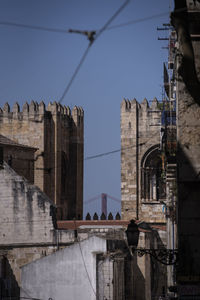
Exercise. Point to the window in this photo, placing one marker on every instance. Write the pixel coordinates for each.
(153, 186)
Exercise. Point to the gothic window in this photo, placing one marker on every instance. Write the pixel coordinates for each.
(152, 182)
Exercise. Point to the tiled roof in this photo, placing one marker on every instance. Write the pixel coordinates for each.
(8, 142)
(76, 224)
(71, 225)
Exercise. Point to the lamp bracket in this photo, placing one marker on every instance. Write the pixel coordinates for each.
(164, 256)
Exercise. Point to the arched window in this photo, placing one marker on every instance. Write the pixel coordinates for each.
(153, 187)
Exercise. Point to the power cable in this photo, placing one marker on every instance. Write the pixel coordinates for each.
(75, 73)
(105, 27)
(145, 19)
(90, 157)
(60, 30)
(29, 298)
(103, 154)
(110, 152)
(34, 27)
(112, 18)
(85, 267)
(94, 38)
(17, 298)
(138, 20)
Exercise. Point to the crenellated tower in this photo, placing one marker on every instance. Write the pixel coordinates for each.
(142, 187)
(57, 134)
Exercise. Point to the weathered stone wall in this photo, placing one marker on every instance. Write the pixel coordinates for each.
(58, 135)
(71, 272)
(140, 131)
(25, 212)
(188, 135)
(27, 223)
(99, 268)
(21, 159)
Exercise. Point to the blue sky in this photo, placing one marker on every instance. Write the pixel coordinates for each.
(124, 62)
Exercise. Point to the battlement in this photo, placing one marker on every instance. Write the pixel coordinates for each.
(140, 131)
(38, 111)
(57, 133)
(128, 105)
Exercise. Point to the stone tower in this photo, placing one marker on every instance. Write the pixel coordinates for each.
(142, 184)
(57, 134)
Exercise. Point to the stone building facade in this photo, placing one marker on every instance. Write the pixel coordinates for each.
(142, 185)
(19, 157)
(101, 267)
(28, 228)
(187, 67)
(56, 133)
(178, 201)
(29, 232)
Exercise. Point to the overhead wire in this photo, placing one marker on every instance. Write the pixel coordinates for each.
(145, 19)
(61, 30)
(17, 298)
(110, 152)
(138, 20)
(112, 18)
(43, 28)
(90, 157)
(84, 263)
(75, 73)
(89, 46)
(99, 32)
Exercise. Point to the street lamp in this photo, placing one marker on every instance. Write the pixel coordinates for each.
(162, 255)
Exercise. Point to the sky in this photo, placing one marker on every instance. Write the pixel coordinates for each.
(125, 61)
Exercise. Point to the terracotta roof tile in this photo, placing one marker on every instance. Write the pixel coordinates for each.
(71, 225)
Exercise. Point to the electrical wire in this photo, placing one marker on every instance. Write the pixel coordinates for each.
(99, 32)
(90, 157)
(110, 152)
(17, 298)
(138, 20)
(103, 154)
(34, 27)
(88, 48)
(88, 276)
(60, 30)
(75, 73)
(112, 18)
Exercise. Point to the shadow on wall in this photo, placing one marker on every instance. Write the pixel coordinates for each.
(8, 285)
(188, 190)
(187, 70)
(138, 285)
(158, 271)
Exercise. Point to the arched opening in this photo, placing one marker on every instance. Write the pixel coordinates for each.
(153, 187)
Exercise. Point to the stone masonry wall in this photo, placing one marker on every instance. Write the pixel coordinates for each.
(21, 159)
(27, 224)
(140, 130)
(25, 212)
(188, 155)
(58, 135)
